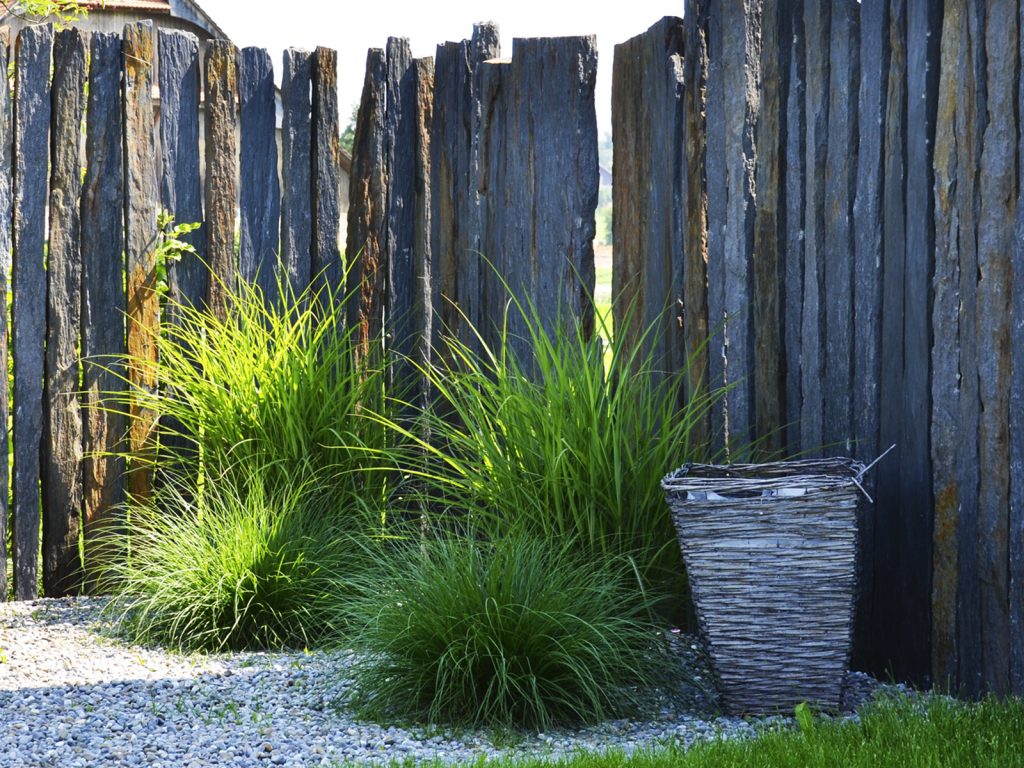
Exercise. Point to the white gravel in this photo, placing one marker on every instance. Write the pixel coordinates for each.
(72, 695)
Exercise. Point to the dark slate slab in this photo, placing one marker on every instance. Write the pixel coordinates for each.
(886, 547)
(766, 258)
(946, 345)
(221, 91)
(840, 188)
(647, 131)
(326, 148)
(717, 199)
(6, 215)
(994, 339)
(421, 310)
(62, 417)
(970, 130)
(1017, 430)
(740, 78)
(367, 206)
(868, 217)
(28, 311)
(142, 322)
(181, 191)
(260, 189)
(817, 31)
(454, 217)
(793, 266)
(541, 214)
(694, 205)
(296, 169)
(924, 25)
(103, 297)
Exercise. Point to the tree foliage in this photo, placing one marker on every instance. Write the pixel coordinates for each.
(62, 11)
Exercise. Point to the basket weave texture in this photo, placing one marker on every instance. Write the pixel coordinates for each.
(771, 555)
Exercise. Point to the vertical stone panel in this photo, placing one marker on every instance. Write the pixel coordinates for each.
(296, 168)
(221, 91)
(260, 189)
(695, 215)
(840, 187)
(28, 311)
(181, 192)
(367, 205)
(1017, 418)
(103, 297)
(62, 417)
(140, 210)
(817, 29)
(422, 309)
(994, 337)
(326, 148)
(766, 256)
(6, 215)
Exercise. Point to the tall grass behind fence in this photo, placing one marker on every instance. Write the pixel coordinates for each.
(848, 179)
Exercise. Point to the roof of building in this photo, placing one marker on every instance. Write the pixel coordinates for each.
(148, 6)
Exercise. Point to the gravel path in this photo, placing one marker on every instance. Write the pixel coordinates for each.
(72, 695)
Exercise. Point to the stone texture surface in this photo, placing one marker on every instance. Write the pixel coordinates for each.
(259, 186)
(326, 158)
(221, 91)
(296, 169)
(62, 417)
(28, 278)
(6, 216)
(103, 297)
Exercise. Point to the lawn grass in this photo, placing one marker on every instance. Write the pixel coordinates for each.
(892, 733)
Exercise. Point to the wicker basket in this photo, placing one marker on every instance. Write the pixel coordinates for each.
(771, 554)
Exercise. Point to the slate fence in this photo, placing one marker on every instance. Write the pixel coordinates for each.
(832, 189)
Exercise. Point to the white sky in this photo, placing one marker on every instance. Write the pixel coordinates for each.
(351, 28)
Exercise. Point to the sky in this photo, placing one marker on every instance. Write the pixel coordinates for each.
(352, 28)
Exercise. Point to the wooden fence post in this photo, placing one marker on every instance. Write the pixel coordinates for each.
(260, 190)
(140, 210)
(62, 417)
(221, 90)
(103, 298)
(28, 312)
(296, 169)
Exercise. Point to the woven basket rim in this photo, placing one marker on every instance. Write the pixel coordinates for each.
(812, 474)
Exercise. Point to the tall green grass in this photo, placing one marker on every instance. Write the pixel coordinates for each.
(514, 631)
(564, 443)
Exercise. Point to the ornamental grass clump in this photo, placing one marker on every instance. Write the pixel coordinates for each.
(519, 631)
(569, 441)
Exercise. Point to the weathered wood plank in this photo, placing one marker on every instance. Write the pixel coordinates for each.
(766, 256)
(221, 90)
(647, 130)
(1017, 421)
(181, 191)
(945, 388)
(367, 206)
(887, 549)
(542, 215)
(103, 297)
(260, 189)
(296, 168)
(994, 327)
(924, 24)
(6, 215)
(868, 216)
(741, 31)
(28, 311)
(62, 418)
(694, 207)
(326, 148)
(717, 198)
(455, 230)
(838, 264)
(793, 268)
(140, 210)
(817, 29)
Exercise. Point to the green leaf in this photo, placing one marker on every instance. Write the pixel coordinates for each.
(804, 718)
